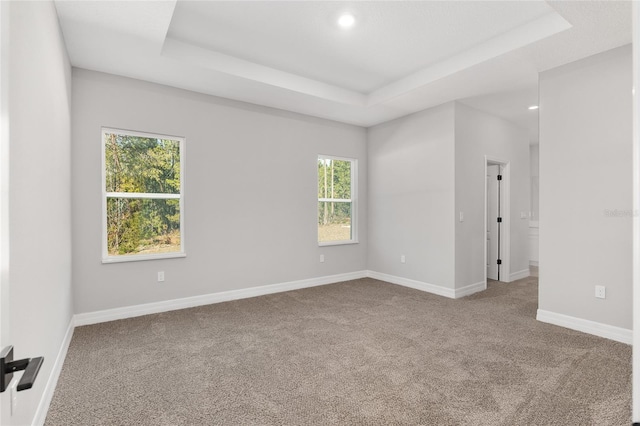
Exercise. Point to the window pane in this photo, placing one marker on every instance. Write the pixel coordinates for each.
(142, 164)
(334, 178)
(142, 226)
(334, 221)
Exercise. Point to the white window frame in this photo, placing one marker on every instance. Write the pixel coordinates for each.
(353, 200)
(106, 258)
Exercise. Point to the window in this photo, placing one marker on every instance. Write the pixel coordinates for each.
(143, 206)
(336, 200)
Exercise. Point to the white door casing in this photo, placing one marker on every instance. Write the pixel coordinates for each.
(505, 214)
(492, 223)
(5, 305)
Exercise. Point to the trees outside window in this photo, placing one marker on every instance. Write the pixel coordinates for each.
(336, 200)
(142, 195)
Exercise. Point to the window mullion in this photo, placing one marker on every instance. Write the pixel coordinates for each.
(156, 196)
(335, 200)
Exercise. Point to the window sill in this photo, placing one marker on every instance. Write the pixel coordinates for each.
(139, 258)
(336, 243)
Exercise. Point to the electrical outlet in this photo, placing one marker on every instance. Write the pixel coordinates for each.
(160, 276)
(601, 292)
(403, 259)
(322, 258)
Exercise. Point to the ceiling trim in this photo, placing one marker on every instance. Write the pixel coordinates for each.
(133, 39)
(543, 27)
(538, 29)
(237, 67)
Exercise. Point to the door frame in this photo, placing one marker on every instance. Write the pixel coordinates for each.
(5, 296)
(5, 329)
(505, 213)
(636, 218)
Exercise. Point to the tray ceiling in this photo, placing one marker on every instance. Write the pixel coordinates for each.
(398, 58)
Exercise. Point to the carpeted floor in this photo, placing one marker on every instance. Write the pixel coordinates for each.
(358, 352)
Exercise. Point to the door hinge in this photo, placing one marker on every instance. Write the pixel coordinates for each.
(499, 220)
(499, 177)
(499, 261)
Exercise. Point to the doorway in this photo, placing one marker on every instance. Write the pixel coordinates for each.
(494, 175)
(496, 220)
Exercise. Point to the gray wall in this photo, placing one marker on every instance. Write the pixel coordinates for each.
(534, 154)
(250, 193)
(423, 170)
(39, 194)
(585, 172)
(478, 134)
(534, 230)
(411, 202)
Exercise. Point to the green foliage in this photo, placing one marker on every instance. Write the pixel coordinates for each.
(137, 164)
(334, 178)
(141, 165)
(334, 182)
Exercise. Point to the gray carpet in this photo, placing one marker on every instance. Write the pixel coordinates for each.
(358, 352)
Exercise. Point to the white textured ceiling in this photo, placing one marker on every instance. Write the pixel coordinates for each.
(390, 41)
(399, 58)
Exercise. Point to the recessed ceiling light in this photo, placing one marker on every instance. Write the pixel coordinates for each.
(347, 20)
(533, 107)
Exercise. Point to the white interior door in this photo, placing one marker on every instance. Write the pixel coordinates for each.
(493, 238)
(5, 314)
(4, 178)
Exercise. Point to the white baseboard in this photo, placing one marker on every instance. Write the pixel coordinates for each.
(208, 299)
(519, 275)
(533, 263)
(470, 289)
(618, 334)
(52, 380)
(429, 288)
(418, 285)
(169, 305)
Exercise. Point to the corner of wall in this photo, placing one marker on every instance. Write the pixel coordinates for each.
(586, 204)
(479, 134)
